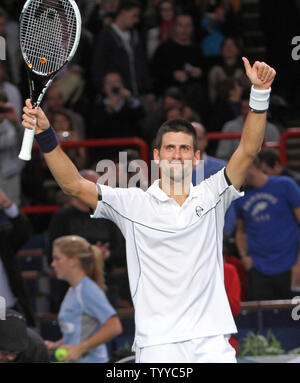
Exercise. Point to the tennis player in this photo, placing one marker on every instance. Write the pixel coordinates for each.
(173, 232)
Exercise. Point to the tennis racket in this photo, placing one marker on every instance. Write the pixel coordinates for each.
(49, 36)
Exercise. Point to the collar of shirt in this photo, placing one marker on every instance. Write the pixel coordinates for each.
(158, 193)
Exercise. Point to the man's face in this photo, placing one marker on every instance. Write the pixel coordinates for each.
(176, 156)
(131, 17)
(111, 81)
(183, 28)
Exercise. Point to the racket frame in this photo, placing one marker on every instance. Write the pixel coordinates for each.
(28, 138)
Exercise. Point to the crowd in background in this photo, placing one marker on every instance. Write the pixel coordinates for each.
(138, 64)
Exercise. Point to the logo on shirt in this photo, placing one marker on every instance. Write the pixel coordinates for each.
(259, 207)
(199, 210)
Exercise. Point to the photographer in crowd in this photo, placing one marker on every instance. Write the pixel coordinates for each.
(117, 110)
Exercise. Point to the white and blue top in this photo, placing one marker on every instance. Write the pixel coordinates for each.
(83, 312)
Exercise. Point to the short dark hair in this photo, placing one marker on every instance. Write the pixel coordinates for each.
(127, 5)
(268, 156)
(177, 125)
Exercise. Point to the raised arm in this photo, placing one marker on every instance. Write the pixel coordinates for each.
(60, 165)
(261, 76)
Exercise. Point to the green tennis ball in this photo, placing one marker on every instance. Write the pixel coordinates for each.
(60, 353)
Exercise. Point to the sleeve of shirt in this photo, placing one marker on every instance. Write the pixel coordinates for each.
(96, 305)
(115, 204)
(293, 193)
(222, 189)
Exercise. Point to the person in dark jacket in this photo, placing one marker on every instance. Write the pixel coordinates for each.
(118, 48)
(117, 110)
(18, 343)
(15, 230)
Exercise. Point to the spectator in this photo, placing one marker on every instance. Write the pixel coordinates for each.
(270, 164)
(54, 100)
(172, 99)
(66, 131)
(45, 188)
(163, 30)
(231, 66)
(100, 14)
(11, 135)
(227, 147)
(15, 230)
(12, 92)
(210, 164)
(118, 48)
(72, 80)
(118, 113)
(85, 308)
(75, 219)
(267, 235)
(177, 62)
(227, 105)
(218, 21)
(18, 343)
(131, 172)
(150, 13)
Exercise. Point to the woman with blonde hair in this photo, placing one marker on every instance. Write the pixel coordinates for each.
(86, 318)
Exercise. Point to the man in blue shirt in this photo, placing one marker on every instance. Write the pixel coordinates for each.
(267, 234)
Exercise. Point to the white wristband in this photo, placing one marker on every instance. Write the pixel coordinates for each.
(259, 99)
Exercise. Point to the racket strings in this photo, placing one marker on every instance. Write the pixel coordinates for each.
(47, 34)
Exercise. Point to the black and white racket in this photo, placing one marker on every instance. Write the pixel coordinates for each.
(49, 36)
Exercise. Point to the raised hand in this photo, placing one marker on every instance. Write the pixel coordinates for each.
(29, 116)
(260, 74)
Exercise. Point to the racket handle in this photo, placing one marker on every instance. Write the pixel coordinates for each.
(27, 143)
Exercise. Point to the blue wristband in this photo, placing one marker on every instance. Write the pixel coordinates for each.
(47, 140)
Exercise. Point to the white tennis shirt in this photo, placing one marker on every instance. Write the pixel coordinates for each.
(174, 258)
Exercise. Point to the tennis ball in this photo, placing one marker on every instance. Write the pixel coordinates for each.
(60, 353)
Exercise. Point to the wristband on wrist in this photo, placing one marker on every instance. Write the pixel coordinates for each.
(47, 140)
(259, 100)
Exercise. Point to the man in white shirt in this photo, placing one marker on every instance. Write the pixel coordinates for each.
(173, 232)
